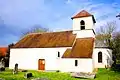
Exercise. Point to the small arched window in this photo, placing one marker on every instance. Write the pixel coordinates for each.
(82, 25)
(100, 57)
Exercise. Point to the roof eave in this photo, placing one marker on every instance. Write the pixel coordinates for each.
(85, 16)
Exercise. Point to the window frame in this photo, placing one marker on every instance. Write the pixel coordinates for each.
(99, 57)
(58, 54)
(82, 25)
(76, 62)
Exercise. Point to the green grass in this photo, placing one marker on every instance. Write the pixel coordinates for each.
(102, 74)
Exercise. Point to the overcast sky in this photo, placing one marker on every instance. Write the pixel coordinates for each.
(17, 16)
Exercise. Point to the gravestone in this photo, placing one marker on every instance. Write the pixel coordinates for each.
(15, 70)
(83, 75)
(2, 65)
(3, 62)
(28, 75)
(2, 69)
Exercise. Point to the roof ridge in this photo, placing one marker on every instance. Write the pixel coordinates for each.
(3, 47)
(48, 32)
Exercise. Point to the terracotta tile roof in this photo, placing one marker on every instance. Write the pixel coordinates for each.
(46, 40)
(83, 48)
(83, 13)
(67, 53)
(3, 51)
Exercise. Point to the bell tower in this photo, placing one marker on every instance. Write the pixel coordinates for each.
(83, 24)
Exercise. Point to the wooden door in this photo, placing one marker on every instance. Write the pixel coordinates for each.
(41, 64)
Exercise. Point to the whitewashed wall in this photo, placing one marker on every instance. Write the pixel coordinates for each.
(84, 65)
(106, 55)
(27, 58)
(84, 33)
(88, 23)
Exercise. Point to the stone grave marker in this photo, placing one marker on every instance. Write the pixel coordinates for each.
(83, 75)
(28, 75)
(2, 65)
(15, 70)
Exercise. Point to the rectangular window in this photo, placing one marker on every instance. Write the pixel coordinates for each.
(76, 62)
(58, 54)
(100, 57)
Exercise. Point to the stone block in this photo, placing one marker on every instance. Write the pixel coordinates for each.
(28, 75)
(83, 75)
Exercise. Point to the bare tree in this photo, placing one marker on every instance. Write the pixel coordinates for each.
(35, 29)
(105, 33)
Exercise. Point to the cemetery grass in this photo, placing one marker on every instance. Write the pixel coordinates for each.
(103, 74)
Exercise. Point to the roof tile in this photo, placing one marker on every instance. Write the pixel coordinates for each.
(3, 51)
(83, 48)
(83, 13)
(47, 40)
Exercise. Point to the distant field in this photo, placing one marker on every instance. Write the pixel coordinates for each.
(102, 74)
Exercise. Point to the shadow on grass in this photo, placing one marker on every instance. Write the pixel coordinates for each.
(116, 68)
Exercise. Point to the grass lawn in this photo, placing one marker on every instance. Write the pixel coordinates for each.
(102, 74)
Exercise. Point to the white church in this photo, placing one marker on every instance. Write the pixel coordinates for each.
(66, 51)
